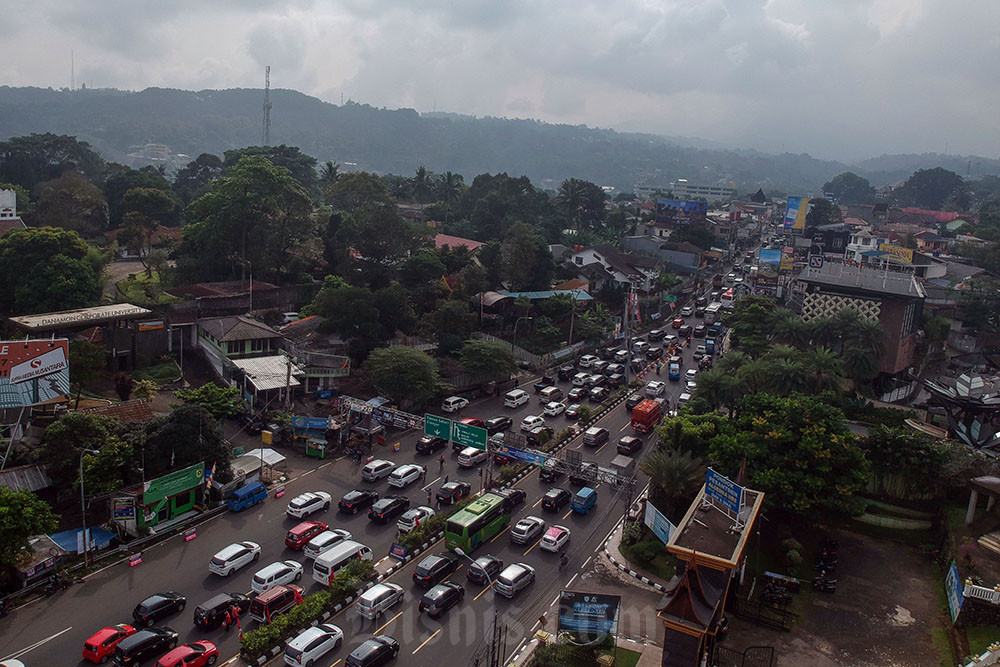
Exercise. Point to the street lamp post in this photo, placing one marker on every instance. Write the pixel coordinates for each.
(83, 506)
(514, 340)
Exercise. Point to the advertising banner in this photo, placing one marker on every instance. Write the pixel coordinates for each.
(680, 211)
(897, 251)
(659, 524)
(724, 491)
(185, 479)
(123, 508)
(787, 260)
(33, 371)
(522, 455)
(588, 613)
(795, 213)
(953, 589)
(767, 269)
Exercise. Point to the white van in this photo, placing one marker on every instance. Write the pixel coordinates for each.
(470, 457)
(515, 398)
(550, 394)
(376, 470)
(377, 599)
(330, 562)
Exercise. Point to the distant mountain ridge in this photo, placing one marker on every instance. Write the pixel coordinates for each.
(400, 140)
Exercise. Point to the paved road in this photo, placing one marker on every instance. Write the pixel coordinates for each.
(52, 631)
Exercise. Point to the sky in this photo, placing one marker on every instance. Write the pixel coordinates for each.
(838, 79)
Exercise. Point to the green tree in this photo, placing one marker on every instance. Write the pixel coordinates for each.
(193, 179)
(302, 167)
(70, 202)
(690, 432)
(487, 359)
(349, 311)
(451, 317)
(582, 203)
(698, 235)
(822, 212)
(47, 269)
(23, 515)
(188, 435)
(718, 388)
(823, 368)
(928, 188)
(28, 161)
(110, 469)
(849, 188)
(959, 199)
(904, 463)
(119, 179)
(329, 172)
(70, 435)
(750, 322)
(421, 267)
(403, 374)
(146, 210)
(448, 189)
(257, 213)
(422, 185)
(220, 402)
(86, 361)
(798, 450)
(525, 260)
(675, 475)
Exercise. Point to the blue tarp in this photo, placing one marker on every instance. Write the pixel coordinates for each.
(99, 538)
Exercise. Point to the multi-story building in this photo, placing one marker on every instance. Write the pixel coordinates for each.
(683, 189)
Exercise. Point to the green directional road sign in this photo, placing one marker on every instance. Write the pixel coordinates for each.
(437, 427)
(670, 298)
(470, 436)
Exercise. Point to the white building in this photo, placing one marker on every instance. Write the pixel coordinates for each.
(682, 189)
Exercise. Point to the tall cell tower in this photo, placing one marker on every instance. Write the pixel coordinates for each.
(266, 135)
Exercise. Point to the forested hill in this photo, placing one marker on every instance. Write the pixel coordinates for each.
(397, 141)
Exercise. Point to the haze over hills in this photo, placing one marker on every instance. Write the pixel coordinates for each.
(400, 140)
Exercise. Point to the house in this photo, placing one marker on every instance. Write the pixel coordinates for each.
(572, 284)
(833, 238)
(604, 264)
(455, 242)
(682, 258)
(322, 355)
(930, 242)
(9, 218)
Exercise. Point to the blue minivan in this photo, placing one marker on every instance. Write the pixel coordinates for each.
(246, 496)
(584, 500)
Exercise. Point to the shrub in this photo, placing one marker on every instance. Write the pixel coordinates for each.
(584, 414)
(645, 552)
(794, 558)
(427, 529)
(632, 532)
(508, 472)
(145, 390)
(790, 544)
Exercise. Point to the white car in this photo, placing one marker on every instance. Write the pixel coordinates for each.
(312, 644)
(580, 379)
(413, 517)
(526, 530)
(554, 409)
(690, 385)
(233, 558)
(306, 503)
(470, 457)
(405, 475)
(687, 311)
(325, 541)
(276, 574)
(531, 422)
(655, 388)
(690, 374)
(587, 360)
(514, 577)
(454, 403)
(555, 539)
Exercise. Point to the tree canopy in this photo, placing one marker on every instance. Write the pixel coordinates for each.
(30, 160)
(23, 515)
(70, 202)
(849, 188)
(928, 188)
(218, 401)
(487, 359)
(403, 374)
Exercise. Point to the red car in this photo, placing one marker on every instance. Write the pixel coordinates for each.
(677, 323)
(299, 535)
(474, 421)
(101, 645)
(195, 654)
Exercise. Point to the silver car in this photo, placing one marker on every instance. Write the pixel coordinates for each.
(514, 578)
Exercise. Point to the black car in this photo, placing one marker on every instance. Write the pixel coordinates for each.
(577, 394)
(513, 497)
(633, 400)
(607, 352)
(452, 492)
(616, 380)
(657, 334)
(701, 302)
(429, 444)
(388, 508)
(373, 652)
(654, 352)
(629, 445)
(144, 644)
(543, 382)
(498, 424)
(684, 330)
(485, 569)
(699, 331)
(637, 364)
(158, 606)
(356, 500)
(566, 372)
(212, 613)
(441, 598)
(714, 330)
(534, 436)
(548, 472)
(432, 569)
(572, 411)
(554, 499)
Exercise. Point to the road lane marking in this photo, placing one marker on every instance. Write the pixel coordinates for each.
(436, 633)
(533, 545)
(600, 448)
(433, 482)
(586, 561)
(324, 465)
(32, 647)
(554, 600)
(339, 660)
(627, 424)
(567, 514)
(568, 583)
(499, 534)
(453, 573)
(481, 593)
(308, 472)
(536, 503)
(384, 625)
(231, 660)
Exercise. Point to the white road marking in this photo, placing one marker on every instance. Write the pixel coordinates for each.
(586, 561)
(570, 582)
(307, 472)
(32, 647)
(554, 600)
(328, 463)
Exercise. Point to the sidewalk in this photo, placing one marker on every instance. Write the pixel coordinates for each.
(634, 577)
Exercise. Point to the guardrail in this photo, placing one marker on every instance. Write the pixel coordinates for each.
(991, 595)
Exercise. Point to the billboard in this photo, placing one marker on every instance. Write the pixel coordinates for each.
(681, 211)
(954, 591)
(659, 524)
(898, 252)
(795, 213)
(769, 261)
(787, 260)
(33, 372)
(588, 613)
(724, 491)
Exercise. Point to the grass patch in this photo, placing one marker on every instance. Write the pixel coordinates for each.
(142, 288)
(662, 565)
(942, 646)
(624, 657)
(161, 373)
(980, 637)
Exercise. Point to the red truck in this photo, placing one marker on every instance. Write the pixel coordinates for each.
(646, 415)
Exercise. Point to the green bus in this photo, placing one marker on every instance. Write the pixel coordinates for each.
(478, 522)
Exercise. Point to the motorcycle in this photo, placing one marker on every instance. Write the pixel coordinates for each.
(55, 584)
(825, 581)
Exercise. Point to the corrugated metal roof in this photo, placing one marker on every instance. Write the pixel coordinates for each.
(237, 328)
(29, 477)
(266, 373)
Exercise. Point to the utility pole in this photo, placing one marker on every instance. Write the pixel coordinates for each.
(288, 382)
(266, 133)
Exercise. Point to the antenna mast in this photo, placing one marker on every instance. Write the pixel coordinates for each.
(266, 138)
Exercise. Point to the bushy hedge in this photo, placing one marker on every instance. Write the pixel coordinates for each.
(427, 529)
(256, 643)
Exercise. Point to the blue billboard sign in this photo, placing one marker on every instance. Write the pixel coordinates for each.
(522, 455)
(588, 613)
(310, 423)
(680, 210)
(659, 524)
(954, 591)
(724, 491)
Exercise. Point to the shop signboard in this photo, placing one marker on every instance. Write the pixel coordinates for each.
(588, 613)
(37, 372)
(185, 479)
(724, 491)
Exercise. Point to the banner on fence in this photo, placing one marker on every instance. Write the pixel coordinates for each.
(135, 559)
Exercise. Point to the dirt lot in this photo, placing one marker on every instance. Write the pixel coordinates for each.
(883, 614)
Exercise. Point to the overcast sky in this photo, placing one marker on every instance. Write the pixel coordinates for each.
(840, 79)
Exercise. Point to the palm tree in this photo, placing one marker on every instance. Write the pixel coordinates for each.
(421, 185)
(824, 369)
(676, 474)
(784, 376)
(718, 388)
(790, 329)
(329, 173)
(449, 189)
(868, 335)
(861, 365)
(732, 362)
(785, 353)
(823, 331)
(755, 376)
(846, 321)
(571, 198)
